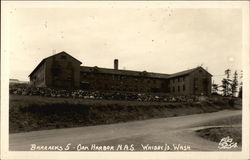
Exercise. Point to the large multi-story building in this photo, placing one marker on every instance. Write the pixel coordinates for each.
(64, 71)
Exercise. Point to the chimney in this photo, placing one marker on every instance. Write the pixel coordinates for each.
(116, 64)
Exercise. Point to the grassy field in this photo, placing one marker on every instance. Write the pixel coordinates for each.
(30, 113)
(217, 133)
(234, 120)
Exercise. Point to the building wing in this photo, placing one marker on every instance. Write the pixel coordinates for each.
(41, 63)
(186, 72)
(123, 72)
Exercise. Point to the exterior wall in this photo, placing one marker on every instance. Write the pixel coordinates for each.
(196, 83)
(188, 85)
(179, 85)
(62, 71)
(100, 81)
(200, 82)
(38, 77)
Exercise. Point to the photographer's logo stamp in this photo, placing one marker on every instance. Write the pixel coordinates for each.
(227, 143)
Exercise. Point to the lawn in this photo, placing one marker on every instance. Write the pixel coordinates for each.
(230, 126)
(31, 113)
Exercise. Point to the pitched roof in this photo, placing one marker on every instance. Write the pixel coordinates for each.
(137, 73)
(123, 72)
(50, 57)
(182, 73)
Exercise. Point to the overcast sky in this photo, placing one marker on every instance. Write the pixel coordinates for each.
(164, 40)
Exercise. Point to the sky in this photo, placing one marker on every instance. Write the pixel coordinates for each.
(161, 40)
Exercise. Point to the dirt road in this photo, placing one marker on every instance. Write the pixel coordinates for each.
(163, 134)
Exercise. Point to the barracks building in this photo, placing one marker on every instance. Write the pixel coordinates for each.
(64, 71)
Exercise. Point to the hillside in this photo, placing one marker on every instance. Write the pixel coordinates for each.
(30, 113)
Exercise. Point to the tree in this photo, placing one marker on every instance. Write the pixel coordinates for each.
(240, 92)
(241, 84)
(215, 88)
(227, 73)
(234, 84)
(225, 87)
(226, 84)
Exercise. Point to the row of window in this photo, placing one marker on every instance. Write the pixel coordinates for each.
(95, 77)
(179, 89)
(178, 79)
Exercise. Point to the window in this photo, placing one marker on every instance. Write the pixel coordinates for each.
(183, 87)
(69, 77)
(56, 78)
(178, 79)
(63, 57)
(183, 79)
(178, 88)
(173, 89)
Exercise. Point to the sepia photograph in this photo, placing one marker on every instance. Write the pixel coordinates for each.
(115, 78)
